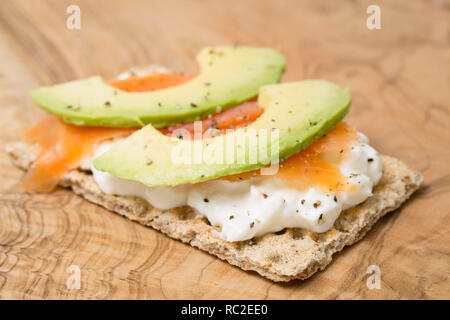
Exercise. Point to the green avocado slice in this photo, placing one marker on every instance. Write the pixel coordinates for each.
(295, 115)
(228, 76)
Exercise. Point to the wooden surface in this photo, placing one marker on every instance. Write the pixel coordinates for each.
(399, 77)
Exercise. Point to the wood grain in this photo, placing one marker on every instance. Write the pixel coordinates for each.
(398, 76)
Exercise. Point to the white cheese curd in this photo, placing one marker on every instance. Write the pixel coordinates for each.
(259, 205)
(159, 197)
(363, 169)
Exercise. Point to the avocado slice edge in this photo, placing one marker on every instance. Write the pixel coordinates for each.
(228, 76)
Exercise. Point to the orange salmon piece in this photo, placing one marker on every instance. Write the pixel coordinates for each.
(63, 147)
(156, 81)
(231, 119)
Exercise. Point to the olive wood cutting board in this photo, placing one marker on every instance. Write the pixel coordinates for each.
(399, 78)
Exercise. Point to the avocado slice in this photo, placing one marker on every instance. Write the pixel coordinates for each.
(228, 76)
(300, 113)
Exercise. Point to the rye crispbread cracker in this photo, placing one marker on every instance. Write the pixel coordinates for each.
(283, 256)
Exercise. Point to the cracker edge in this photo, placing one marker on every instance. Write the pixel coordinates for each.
(397, 185)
